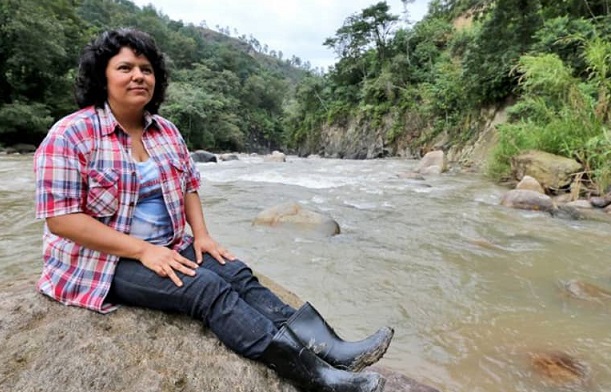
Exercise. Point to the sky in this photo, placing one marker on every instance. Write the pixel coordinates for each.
(295, 27)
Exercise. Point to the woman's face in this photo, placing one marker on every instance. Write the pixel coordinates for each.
(130, 80)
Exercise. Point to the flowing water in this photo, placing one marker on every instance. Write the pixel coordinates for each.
(474, 290)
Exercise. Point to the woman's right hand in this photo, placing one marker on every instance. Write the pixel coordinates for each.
(91, 233)
(165, 262)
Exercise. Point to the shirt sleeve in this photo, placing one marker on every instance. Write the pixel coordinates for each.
(59, 184)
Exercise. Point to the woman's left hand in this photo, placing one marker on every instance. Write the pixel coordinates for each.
(205, 244)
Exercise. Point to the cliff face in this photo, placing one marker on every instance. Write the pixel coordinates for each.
(46, 346)
(360, 139)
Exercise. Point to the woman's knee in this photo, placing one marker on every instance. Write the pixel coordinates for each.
(201, 291)
(230, 271)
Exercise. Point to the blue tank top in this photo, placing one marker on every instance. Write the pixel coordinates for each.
(151, 221)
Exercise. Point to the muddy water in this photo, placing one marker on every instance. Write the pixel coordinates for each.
(473, 290)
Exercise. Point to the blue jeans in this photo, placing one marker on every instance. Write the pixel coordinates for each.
(227, 298)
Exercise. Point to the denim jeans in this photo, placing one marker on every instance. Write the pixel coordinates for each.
(227, 298)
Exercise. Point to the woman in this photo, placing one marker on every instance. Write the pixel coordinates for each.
(117, 189)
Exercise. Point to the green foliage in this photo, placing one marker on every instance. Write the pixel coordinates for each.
(23, 121)
(561, 114)
(369, 29)
(222, 96)
(506, 33)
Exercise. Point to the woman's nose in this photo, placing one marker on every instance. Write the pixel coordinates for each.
(137, 74)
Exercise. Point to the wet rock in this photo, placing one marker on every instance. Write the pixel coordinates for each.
(484, 244)
(581, 203)
(601, 202)
(202, 156)
(228, 157)
(411, 176)
(569, 211)
(527, 200)
(21, 148)
(585, 291)
(293, 215)
(399, 382)
(275, 156)
(558, 368)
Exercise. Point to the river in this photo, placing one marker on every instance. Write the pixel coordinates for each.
(472, 289)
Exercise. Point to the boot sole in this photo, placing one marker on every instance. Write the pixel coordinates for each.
(372, 357)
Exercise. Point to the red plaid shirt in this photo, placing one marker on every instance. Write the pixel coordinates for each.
(85, 165)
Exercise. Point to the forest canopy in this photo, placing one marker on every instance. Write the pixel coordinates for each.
(547, 60)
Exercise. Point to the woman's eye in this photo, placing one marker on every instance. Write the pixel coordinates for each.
(147, 71)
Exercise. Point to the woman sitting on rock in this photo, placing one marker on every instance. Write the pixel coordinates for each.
(117, 189)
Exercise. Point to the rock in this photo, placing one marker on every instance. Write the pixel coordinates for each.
(22, 148)
(202, 156)
(531, 184)
(528, 200)
(293, 215)
(559, 369)
(434, 162)
(562, 198)
(46, 346)
(434, 169)
(584, 204)
(601, 202)
(398, 382)
(569, 211)
(585, 291)
(551, 171)
(411, 176)
(228, 157)
(275, 156)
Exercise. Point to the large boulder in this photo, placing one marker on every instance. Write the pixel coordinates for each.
(275, 156)
(22, 148)
(434, 162)
(553, 172)
(202, 156)
(528, 200)
(46, 346)
(295, 216)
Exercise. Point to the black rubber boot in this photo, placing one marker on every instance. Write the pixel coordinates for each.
(295, 362)
(317, 335)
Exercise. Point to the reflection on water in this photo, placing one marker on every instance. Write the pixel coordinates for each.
(475, 291)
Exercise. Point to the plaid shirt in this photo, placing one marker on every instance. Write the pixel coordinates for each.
(85, 165)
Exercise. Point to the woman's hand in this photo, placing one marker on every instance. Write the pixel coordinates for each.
(165, 262)
(205, 244)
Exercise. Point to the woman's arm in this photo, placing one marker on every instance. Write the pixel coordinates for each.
(203, 243)
(90, 233)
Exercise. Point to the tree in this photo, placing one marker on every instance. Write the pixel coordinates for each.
(39, 45)
(361, 32)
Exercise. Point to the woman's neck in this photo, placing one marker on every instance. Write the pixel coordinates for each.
(131, 120)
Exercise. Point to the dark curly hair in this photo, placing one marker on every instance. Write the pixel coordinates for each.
(90, 88)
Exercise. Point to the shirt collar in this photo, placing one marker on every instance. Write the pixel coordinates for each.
(109, 123)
